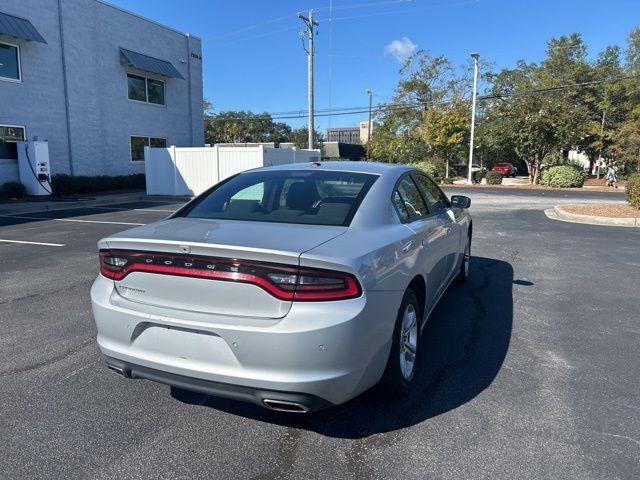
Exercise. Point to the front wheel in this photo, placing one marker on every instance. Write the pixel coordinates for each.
(401, 365)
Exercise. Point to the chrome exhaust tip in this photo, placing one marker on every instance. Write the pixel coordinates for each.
(285, 406)
(119, 370)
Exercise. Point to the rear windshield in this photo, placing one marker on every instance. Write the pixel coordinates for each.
(309, 197)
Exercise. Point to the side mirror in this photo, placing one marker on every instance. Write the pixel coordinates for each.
(460, 201)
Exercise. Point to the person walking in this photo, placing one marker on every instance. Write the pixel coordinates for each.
(612, 178)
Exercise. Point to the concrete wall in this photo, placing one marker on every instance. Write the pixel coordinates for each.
(101, 117)
(38, 101)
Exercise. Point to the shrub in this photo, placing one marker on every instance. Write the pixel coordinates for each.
(447, 181)
(562, 176)
(429, 168)
(3, 195)
(575, 166)
(477, 176)
(72, 185)
(14, 190)
(632, 188)
(494, 178)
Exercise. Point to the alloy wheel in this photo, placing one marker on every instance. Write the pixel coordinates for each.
(408, 342)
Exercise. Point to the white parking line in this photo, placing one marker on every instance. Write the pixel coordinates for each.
(71, 220)
(137, 209)
(34, 243)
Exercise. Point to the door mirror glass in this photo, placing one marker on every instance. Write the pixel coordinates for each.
(460, 201)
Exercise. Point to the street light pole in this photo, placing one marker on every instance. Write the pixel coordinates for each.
(310, 23)
(370, 93)
(475, 57)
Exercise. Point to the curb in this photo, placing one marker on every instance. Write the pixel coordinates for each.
(529, 188)
(559, 214)
(34, 207)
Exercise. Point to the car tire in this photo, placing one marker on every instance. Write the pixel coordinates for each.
(463, 274)
(400, 373)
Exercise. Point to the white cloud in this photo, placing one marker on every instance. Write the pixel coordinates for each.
(401, 49)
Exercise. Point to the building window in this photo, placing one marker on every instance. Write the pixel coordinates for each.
(155, 91)
(9, 135)
(137, 88)
(9, 62)
(143, 89)
(138, 144)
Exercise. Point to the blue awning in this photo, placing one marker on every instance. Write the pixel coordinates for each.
(19, 28)
(148, 64)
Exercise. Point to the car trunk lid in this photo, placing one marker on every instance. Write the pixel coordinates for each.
(213, 266)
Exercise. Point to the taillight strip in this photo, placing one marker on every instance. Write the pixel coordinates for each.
(186, 272)
(349, 288)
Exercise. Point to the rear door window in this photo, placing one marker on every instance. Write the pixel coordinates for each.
(400, 207)
(436, 199)
(408, 196)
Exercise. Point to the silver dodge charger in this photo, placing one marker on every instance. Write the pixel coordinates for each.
(295, 287)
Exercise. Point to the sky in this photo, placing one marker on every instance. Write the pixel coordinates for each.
(253, 57)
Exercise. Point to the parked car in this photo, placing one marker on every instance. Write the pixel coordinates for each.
(463, 169)
(295, 287)
(506, 169)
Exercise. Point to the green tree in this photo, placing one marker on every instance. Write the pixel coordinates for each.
(300, 138)
(425, 81)
(626, 142)
(244, 127)
(446, 129)
(530, 116)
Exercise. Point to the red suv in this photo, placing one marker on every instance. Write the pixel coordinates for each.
(506, 169)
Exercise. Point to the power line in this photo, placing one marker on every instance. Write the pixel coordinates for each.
(411, 10)
(295, 114)
(559, 87)
(226, 37)
(363, 5)
(253, 27)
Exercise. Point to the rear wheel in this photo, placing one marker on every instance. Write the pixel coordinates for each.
(463, 274)
(401, 366)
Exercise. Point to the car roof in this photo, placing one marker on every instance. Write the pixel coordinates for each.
(359, 167)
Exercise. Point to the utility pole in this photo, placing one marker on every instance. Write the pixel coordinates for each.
(310, 23)
(475, 57)
(370, 93)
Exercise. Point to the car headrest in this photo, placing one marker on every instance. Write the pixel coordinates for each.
(302, 195)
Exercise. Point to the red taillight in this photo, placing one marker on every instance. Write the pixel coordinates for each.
(282, 281)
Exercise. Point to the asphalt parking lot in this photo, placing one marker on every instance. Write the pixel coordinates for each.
(531, 370)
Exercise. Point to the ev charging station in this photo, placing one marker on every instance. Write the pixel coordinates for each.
(33, 167)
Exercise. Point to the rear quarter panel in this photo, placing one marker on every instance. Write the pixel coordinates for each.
(375, 256)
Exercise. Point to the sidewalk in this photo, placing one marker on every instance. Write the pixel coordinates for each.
(507, 181)
(14, 208)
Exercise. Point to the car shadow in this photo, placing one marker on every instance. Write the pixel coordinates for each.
(464, 345)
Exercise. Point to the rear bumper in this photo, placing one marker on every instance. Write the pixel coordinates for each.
(284, 401)
(322, 353)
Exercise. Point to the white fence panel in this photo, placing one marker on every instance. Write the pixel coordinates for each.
(238, 159)
(159, 171)
(191, 171)
(304, 156)
(196, 170)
